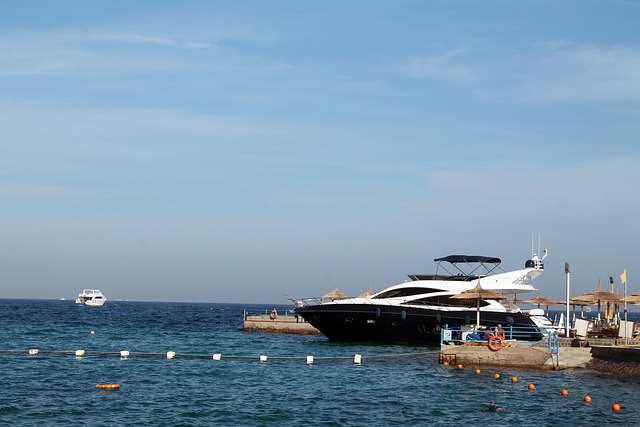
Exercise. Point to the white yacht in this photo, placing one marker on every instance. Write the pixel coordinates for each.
(416, 310)
(91, 297)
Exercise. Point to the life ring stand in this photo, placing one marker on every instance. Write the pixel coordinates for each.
(273, 315)
(492, 343)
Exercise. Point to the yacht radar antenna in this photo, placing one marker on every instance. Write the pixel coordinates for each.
(535, 255)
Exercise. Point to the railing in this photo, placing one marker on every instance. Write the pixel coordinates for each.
(554, 347)
(458, 336)
(303, 302)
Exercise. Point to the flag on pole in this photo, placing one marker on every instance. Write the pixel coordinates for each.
(623, 277)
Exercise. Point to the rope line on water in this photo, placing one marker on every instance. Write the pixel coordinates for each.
(125, 354)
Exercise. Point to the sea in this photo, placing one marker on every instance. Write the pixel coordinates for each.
(262, 379)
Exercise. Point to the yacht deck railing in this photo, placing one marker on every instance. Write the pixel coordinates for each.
(458, 336)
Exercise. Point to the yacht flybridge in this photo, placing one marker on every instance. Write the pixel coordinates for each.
(416, 310)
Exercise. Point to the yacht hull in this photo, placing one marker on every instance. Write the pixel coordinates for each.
(405, 324)
(91, 303)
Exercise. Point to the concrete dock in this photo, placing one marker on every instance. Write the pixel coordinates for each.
(610, 357)
(524, 357)
(281, 324)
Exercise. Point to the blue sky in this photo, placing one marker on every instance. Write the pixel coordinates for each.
(244, 151)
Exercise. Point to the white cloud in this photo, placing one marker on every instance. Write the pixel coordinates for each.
(145, 39)
(70, 53)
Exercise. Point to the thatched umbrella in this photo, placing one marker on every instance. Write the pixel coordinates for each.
(577, 302)
(634, 299)
(333, 295)
(366, 294)
(598, 296)
(580, 303)
(515, 299)
(540, 300)
(478, 293)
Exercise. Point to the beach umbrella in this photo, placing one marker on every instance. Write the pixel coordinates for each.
(333, 295)
(478, 293)
(582, 304)
(540, 300)
(366, 294)
(634, 299)
(599, 296)
(576, 302)
(515, 299)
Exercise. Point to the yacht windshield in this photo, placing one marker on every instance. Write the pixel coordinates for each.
(447, 301)
(405, 292)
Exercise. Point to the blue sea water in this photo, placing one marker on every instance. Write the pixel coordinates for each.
(394, 385)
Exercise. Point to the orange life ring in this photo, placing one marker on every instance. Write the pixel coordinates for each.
(273, 315)
(108, 386)
(492, 344)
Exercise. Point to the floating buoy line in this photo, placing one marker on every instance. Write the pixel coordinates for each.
(126, 354)
(357, 360)
(532, 387)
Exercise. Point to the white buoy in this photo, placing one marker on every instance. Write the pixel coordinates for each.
(92, 333)
(79, 353)
(124, 354)
(171, 354)
(263, 358)
(357, 359)
(33, 351)
(309, 360)
(217, 356)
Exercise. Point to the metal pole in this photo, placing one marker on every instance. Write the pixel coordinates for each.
(567, 271)
(625, 306)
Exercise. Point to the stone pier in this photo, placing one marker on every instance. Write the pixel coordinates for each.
(281, 324)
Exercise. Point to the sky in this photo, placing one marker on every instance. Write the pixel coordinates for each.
(252, 152)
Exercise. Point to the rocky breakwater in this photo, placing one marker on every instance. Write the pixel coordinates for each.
(621, 361)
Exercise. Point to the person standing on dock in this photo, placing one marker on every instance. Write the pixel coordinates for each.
(500, 331)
